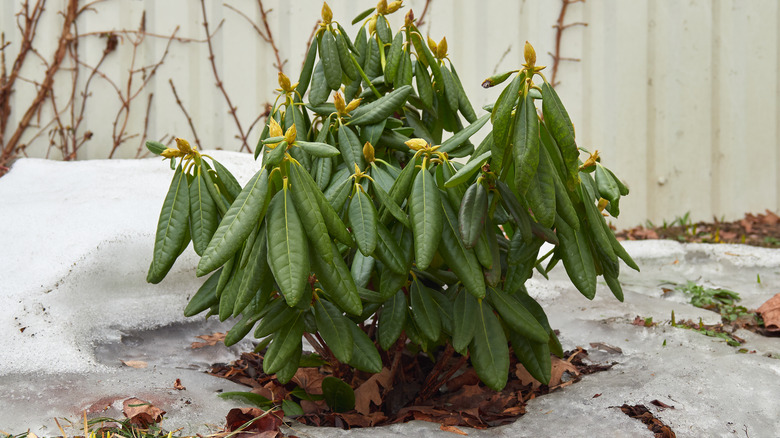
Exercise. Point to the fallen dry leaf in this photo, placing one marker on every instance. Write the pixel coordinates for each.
(309, 379)
(177, 385)
(141, 413)
(452, 429)
(135, 363)
(211, 340)
(264, 424)
(559, 366)
(369, 391)
(770, 312)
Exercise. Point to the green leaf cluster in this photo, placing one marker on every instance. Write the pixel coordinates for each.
(360, 226)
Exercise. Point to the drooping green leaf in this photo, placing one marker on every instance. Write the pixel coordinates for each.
(517, 317)
(279, 315)
(502, 121)
(388, 251)
(203, 214)
(308, 67)
(394, 58)
(362, 217)
(489, 350)
(205, 297)
(390, 206)
(526, 145)
(310, 215)
(535, 357)
(365, 356)
(239, 221)
(463, 101)
(334, 328)
(337, 282)
(329, 56)
(344, 59)
(577, 258)
(226, 180)
(288, 252)
(338, 394)
(286, 344)
(392, 320)
(465, 314)
(472, 214)
(541, 193)
(362, 268)
(424, 310)
(319, 91)
(460, 260)
(351, 149)
(425, 215)
(424, 86)
(333, 222)
(562, 130)
(172, 228)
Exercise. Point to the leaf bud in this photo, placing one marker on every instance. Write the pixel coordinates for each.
(496, 79)
(530, 54)
(441, 49)
(338, 100)
(274, 129)
(184, 146)
(381, 7)
(327, 14)
(368, 152)
(284, 83)
(352, 105)
(172, 153)
(602, 204)
(290, 135)
(394, 6)
(372, 25)
(416, 144)
(432, 45)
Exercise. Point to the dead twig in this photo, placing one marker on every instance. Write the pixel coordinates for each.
(559, 28)
(420, 21)
(186, 114)
(220, 85)
(267, 36)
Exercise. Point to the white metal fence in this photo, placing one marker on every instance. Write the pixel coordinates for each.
(681, 98)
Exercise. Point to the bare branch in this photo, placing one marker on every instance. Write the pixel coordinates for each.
(186, 114)
(559, 28)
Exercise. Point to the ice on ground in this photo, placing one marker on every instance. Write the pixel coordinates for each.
(75, 303)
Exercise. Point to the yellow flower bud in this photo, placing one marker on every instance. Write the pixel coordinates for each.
(183, 146)
(327, 14)
(416, 144)
(394, 6)
(290, 135)
(368, 152)
(432, 45)
(352, 105)
(441, 49)
(603, 204)
(530, 54)
(381, 7)
(274, 129)
(372, 25)
(284, 83)
(340, 105)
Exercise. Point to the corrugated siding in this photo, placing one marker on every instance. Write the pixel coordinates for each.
(679, 97)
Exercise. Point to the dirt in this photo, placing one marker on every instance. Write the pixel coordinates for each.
(762, 229)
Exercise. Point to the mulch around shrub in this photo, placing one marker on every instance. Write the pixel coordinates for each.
(762, 229)
(415, 389)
